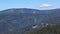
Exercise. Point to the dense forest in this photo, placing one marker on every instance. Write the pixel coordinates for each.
(55, 29)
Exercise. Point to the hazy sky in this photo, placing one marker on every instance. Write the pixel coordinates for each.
(35, 4)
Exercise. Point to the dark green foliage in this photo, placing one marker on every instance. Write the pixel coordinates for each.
(55, 29)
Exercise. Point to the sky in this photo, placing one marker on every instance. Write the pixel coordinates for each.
(34, 4)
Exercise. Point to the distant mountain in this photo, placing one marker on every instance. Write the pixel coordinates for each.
(24, 19)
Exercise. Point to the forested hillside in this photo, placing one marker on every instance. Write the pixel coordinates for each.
(55, 29)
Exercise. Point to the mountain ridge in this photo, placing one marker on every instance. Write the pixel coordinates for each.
(25, 18)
